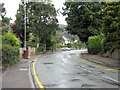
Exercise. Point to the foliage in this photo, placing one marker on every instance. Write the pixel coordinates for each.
(83, 18)
(38, 49)
(53, 47)
(95, 44)
(69, 45)
(41, 20)
(59, 46)
(10, 55)
(4, 30)
(19, 33)
(76, 45)
(32, 41)
(10, 39)
(111, 25)
(5, 20)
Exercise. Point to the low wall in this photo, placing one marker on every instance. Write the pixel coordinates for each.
(115, 54)
(26, 54)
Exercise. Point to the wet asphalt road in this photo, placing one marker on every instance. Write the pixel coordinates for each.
(66, 69)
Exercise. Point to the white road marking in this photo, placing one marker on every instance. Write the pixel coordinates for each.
(23, 69)
(110, 79)
(84, 69)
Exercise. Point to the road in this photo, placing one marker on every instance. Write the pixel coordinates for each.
(66, 69)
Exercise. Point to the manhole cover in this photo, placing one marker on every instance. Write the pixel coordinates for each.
(49, 85)
(48, 63)
(87, 85)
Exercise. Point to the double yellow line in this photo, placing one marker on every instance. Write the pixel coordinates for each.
(39, 83)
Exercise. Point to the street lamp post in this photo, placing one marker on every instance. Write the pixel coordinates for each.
(25, 24)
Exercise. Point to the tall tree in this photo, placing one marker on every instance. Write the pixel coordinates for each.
(111, 25)
(41, 20)
(4, 22)
(83, 18)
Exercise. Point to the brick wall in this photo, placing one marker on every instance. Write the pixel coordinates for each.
(26, 54)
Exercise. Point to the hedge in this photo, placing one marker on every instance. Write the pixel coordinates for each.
(38, 49)
(53, 47)
(10, 55)
(10, 39)
(60, 46)
(96, 44)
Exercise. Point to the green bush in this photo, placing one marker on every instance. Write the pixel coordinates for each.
(10, 39)
(30, 43)
(10, 55)
(59, 46)
(69, 45)
(96, 44)
(53, 47)
(64, 45)
(38, 49)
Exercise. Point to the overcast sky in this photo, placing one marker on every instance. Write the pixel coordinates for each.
(13, 5)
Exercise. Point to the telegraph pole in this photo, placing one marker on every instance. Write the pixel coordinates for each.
(25, 24)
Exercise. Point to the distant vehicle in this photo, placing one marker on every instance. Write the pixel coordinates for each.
(66, 49)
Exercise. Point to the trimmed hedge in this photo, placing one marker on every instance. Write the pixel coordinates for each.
(10, 55)
(96, 44)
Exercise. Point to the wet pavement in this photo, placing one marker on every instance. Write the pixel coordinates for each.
(66, 69)
(18, 75)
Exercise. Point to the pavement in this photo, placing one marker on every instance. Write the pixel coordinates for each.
(102, 60)
(18, 75)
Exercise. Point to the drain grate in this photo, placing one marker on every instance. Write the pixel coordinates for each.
(48, 63)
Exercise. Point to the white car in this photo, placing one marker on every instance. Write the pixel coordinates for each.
(65, 49)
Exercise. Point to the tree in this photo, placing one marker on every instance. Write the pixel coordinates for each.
(111, 25)
(83, 18)
(41, 20)
(5, 20)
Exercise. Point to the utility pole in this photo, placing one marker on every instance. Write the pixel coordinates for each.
(25, 24)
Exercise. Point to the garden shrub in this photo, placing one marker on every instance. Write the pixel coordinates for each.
(53, 47)
(64, 45)
(96, 44)
(38, 49)
(10, 39)
(10, 55)
(59, 46)
(69, 45)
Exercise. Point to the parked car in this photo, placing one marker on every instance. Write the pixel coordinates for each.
(66, 49)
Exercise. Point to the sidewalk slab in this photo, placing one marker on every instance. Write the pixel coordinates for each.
(18, 75)
(103, 60)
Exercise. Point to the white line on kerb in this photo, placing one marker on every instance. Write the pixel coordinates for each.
(110, 79)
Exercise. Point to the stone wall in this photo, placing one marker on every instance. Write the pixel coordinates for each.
(115, 54)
